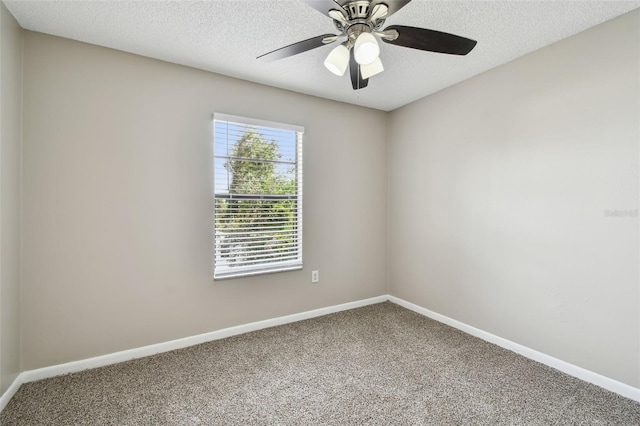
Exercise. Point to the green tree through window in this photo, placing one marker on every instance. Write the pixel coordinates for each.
(257, 199)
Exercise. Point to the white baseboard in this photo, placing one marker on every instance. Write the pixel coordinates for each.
(8, 394)
(570, 369)
(116, 357)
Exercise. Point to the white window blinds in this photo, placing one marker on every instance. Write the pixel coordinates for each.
(258, 196)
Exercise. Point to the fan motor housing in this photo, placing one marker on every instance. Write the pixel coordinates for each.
(357, 15)
(357, 9)
(356, 29)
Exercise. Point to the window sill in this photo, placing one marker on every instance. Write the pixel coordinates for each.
(230, 275)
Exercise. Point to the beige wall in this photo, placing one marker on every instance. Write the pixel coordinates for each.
(10, 134)
(118, 202)
(498, 189)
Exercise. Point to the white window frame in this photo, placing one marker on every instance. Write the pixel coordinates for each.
(222, 271)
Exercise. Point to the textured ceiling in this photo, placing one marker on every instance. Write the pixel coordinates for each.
(226, 36)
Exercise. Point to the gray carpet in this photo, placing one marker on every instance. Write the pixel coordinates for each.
(380, 364)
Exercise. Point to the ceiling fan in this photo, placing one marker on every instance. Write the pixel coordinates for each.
(361, 21)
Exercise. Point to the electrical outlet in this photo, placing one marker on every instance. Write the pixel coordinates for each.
(315, 276)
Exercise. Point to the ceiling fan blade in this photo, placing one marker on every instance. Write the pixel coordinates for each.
(299, 47)
(393, 5)
(357, 82)
(430, 40)
(324, 6)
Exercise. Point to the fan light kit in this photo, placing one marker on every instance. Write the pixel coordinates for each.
(360, 22)
(366, 49)
(338, 60)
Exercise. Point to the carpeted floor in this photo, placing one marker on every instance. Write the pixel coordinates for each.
(381, 364)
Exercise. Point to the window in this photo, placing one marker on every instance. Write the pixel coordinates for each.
(258, 196)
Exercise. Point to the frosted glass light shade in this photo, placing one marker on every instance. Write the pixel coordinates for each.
(337, 60)
(369, 70)
(366, 49)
